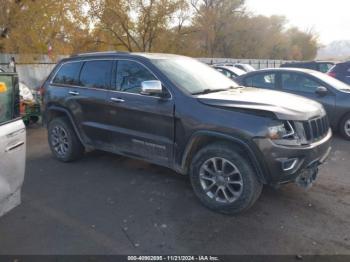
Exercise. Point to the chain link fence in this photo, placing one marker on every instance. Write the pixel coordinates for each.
(256, 63)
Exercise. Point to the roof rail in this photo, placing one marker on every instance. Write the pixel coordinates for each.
(99, 53)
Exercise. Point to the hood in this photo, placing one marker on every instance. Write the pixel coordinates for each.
(284, 105)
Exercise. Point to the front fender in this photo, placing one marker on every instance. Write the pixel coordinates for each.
(248, 147)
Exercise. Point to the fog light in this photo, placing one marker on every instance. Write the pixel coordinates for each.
(289, 164)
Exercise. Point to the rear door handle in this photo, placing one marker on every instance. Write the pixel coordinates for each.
(74, 93)
(117, 100)
(10, 148)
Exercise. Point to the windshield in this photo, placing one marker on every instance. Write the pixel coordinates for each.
(332, 81)
(193, 76)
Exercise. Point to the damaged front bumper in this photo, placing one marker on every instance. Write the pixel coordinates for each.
(294, 164)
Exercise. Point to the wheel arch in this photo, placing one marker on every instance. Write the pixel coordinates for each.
(57, 111)
(202, 138)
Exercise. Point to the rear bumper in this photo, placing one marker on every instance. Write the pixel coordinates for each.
(285, 164)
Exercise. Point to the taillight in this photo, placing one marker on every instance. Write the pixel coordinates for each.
(332, 74)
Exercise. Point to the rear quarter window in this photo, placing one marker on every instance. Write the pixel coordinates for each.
(68, 74)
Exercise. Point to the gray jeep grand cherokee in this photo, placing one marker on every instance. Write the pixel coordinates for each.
(177, 112)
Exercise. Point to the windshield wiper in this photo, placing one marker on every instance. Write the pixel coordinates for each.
(207, 91)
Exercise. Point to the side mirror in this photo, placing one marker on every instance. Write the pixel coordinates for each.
(151, 87)
(321, 90)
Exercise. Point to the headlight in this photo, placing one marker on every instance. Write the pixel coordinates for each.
(281, 131)
(286, 133)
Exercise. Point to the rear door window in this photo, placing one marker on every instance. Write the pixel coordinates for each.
(96, 74)
(68, 74)
(262, 81)
(298, 83)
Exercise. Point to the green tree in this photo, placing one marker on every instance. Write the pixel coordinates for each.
(208, 28)
(30, 26)
(134, 25)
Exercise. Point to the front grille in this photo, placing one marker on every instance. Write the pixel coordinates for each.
(315, 129)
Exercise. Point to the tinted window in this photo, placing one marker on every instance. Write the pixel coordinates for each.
(68, 74)
(96, 74)
(130, 75)
(299, 83)
(9, 98)
(261, 81)
(333, 82)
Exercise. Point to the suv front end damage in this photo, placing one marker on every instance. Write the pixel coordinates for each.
(294, 154)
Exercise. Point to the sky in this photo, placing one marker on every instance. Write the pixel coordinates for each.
(329, 18)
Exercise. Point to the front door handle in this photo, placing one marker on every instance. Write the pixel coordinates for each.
(117, 100)
(10, 148)
(74, 93)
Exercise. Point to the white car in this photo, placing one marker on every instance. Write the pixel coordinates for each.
(12, 144)
(230, 71)
(244, 67)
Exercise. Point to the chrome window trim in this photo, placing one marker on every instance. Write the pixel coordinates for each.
(111, 90)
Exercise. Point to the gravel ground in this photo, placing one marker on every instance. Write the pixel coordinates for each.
(108, 204)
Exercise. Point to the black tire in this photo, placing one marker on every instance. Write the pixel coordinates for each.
(342, 126)
(249, 192)
(73, 149)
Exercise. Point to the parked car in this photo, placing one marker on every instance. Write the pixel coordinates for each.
(12, 143)
(341, 71)
(321, 66)
(230, 71)
(177, 112)
(331, 93)
(244, 67)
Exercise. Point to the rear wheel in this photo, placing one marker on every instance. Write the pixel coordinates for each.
(63, 141)
(344, 127)
(223, 180)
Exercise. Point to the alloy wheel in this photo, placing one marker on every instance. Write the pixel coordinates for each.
(221, 180)
(59, 140)
(347, 127)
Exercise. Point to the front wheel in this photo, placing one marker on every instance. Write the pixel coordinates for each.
(344, 127)
(223, 180)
